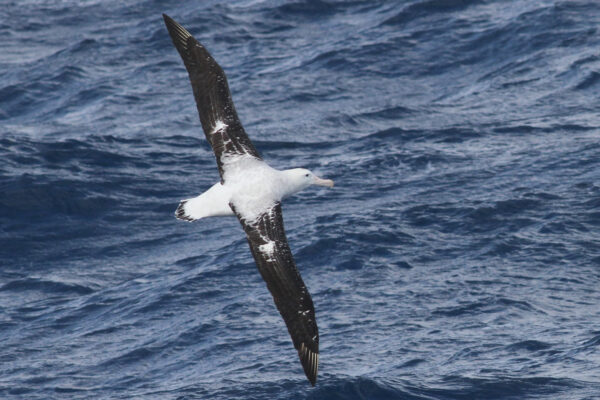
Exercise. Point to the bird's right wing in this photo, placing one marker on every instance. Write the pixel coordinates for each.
(219, 119)
(269, 246)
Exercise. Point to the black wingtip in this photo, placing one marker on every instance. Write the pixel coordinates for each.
(178, 34)
(169, 21)
(310, 363)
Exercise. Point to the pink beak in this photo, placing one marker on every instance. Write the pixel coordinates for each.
(322, 182)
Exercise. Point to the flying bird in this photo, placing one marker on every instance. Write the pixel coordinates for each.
(251, 190)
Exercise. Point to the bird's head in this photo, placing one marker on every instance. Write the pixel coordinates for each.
(301, 178)
(307, 178)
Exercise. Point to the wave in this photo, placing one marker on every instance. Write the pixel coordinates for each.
(454, 258)
(46, 286)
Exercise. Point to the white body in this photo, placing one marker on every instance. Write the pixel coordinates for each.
(252, 186)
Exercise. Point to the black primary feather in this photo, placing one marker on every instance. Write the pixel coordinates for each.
(219, 119)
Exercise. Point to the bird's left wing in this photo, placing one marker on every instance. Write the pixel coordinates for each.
(220, 121)
(269, 246)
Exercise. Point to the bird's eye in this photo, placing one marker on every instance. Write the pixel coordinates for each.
(307, 175)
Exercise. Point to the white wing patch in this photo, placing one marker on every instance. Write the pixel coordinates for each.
(218, 126)
(268, 249)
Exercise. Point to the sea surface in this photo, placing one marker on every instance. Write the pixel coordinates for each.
(457, 257)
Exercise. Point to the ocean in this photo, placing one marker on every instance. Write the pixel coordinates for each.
(457, 257)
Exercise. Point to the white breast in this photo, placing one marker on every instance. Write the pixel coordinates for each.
(254, 186)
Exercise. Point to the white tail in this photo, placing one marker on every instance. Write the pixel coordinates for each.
(212, 203)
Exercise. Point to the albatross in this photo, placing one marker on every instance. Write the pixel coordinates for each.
(251, 190)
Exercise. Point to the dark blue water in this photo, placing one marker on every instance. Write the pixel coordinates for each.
(458, 256)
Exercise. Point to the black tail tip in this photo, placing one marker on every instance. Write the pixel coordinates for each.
(180, 212)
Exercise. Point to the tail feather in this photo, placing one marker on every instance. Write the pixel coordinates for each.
(212, 203)
(181, 213)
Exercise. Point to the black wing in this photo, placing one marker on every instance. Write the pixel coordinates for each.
(219, 119)
(274, 260)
